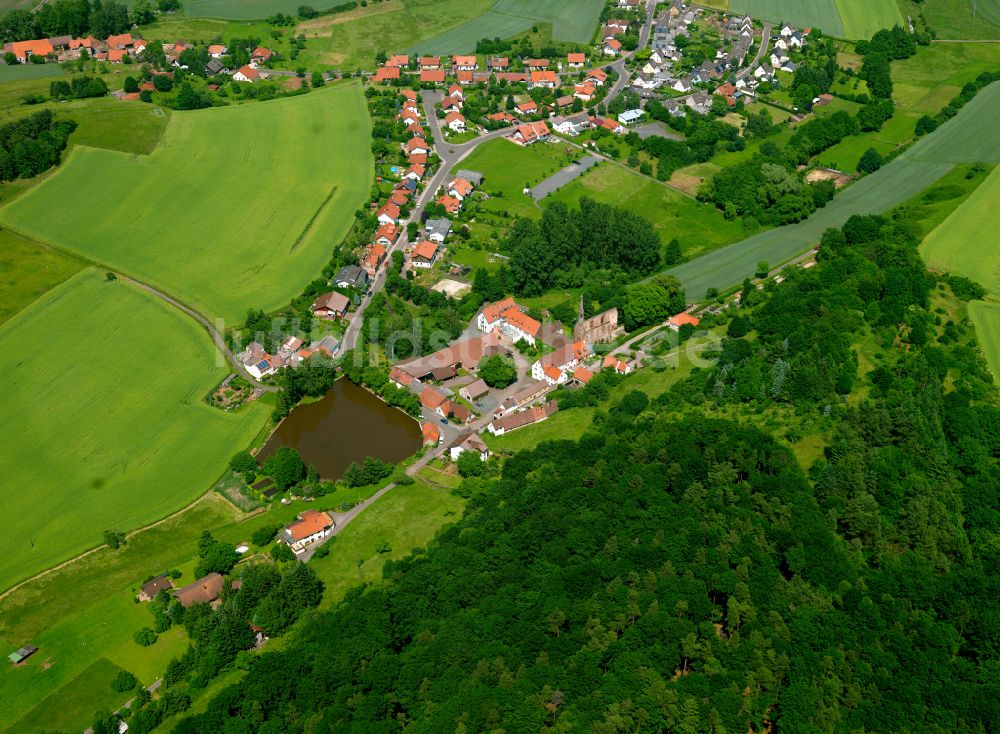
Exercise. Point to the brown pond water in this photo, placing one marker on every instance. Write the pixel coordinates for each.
(347, 424)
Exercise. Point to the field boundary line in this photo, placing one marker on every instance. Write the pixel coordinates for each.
(132, 533)
(313, 218)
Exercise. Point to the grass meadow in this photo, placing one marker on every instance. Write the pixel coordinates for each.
(863, 18)
(986, 318)
(956, 19)
(967, 138)
(961, 245)
(571, 22)
(698, 227)
(822, 14)
(106, 422)
(28, 270)
(236, 207)
(407, 517)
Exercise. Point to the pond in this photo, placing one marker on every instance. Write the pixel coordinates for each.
(345, 425)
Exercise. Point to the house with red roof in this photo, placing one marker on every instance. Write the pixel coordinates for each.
(465, 63)
(582, 375)
(121, 41)
(727, 91)
(529, 133)
(398, 60)
(585, 91)
(542, 80)
(261, 55)
(373, 258)
(504, 117)
(429, 63)
(537, 64)
(416, 172)
(434, 401)
(432, 76)
(385, 235)
(452, 103)
(460, 188)
(498, 63)
(215, 50)
(388, 214)
(555, 368)
(24, 50)
(465, 78)
(618, 365)
(416, 146)
(596, 76)
(507, 316)
(456, 91)
(528, 108)
(612, 47)
(676, 322)
(385, 74)
(400, 378)
(246, 74)
(576, 61)
(310, 527)
(455, 121)
(431, 433)
(424, 254)
(450, 203)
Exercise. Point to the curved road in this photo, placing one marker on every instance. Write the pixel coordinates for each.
(220, 342)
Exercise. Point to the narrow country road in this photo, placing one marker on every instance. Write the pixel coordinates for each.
(765, 45)
(220, 342)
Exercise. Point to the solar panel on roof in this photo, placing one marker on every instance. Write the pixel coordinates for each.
(263, 365)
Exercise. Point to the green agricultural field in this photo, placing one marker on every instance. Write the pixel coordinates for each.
(956, 19)
(351, 40)
(986, 318)
(509, 168)
(966, 138)
(698, 227)
(406, 518)
(237, 206)
(106, 420)
(22, 72)
(862, 18)
(28, 270)
(571, 22)
(962, 245)
(927, 81)
(129, 127)
(821, 14)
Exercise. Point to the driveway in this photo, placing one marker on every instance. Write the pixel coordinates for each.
(560, 178)
(655, 129)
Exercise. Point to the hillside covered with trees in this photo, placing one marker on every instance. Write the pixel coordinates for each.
(674, 571)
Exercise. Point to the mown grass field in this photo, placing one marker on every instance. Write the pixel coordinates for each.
(955, 18)
(863, 18)
(698, 227)
(964, 244)
(573, 22)
(352, 41)
(237, 206)
(28, 270)
(927, 81)
(21, 72)
(106, 423)
(986, 318)
(967, 138)
(821, 14)
(406, 518)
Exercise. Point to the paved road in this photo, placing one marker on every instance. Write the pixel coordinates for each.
(624, 75)
(151, 688)
(765, 44)
(220, 342)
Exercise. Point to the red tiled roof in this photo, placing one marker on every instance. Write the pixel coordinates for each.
(527, 107)
(426, 250)
(492, 311)
(249, 72)
(431, 398)
(582, 374)
(391, 210)
(537, 63)
(463, 187)
(576, 58)
(309, 523)
(684, 318)
(540, 77)
(464, 60)
(261, 53)
(522, 321)
(400, 376)
(430, 61)
(450, 203)
(433, 76)
(122, 40)
(452, 117)
(398, 60)
(432, 434)
(386, 72)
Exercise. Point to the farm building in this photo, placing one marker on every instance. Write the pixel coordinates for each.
(151, 588)
(310, 527)
(22, 654)
(203, 591)
(331, 305)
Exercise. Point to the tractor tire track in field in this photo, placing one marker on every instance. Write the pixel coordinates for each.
(312, 219)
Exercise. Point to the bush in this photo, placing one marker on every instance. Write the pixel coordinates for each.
(243, 463)
(123, 682)
(263, 536)
(870, 161)
(145, 637)
(282, 552)
(114, 539)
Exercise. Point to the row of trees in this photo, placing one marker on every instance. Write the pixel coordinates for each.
(79, 18)
(32, 145)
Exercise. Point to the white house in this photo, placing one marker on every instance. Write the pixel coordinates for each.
(455, 122)
(506, 316)
(630, 117)
(556, 367)
(471, 443)
(424, 255)
(310, 527)
(246, 74)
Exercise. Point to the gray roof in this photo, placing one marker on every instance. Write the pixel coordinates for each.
(354, 274)
(214, 66)
(442, 225)
(473, 177)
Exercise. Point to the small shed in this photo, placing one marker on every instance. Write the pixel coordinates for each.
(22, 654)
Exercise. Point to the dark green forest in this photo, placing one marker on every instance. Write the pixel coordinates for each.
(675, 571)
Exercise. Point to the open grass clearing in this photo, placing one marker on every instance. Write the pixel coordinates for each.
(698, 227)
(407, 517)
(927, 81)
(237, 207)
(107, 424)
(73, 705)
(962, 243)
(22, 72)
(821, 14)
(863, 18)
(28, 270)
(571, 22)
(355, 43)
(986, 318)
(967, 138)
(956, 18)
(112, 124)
